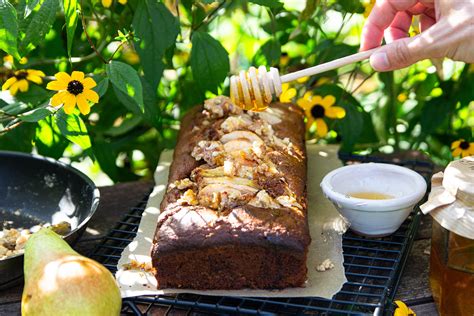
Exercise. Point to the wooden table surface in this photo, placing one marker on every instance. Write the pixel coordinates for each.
(118, 199)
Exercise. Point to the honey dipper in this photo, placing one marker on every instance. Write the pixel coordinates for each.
(254, 90)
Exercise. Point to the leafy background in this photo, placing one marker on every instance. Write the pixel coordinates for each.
(153, 60)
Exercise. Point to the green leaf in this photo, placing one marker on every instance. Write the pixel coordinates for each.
(18, 139)
(127, 125)
(349, 6)
(126, 80)
(157, 30)
(8, 29)
(30, 6)
(48, 139)
(152, 112)
(15, 108)
(127, 101)
(350, 126)
(39, 25)
(209, 61)
(35, 96)
(269, 54)
(71, 16)
(434, 114)
(309, 9)
(35, 115)
(73, 128)
(268, 3)
(102, 87)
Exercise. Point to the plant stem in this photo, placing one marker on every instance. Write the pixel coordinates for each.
(73, 60)
(84, 26)
(208, 19)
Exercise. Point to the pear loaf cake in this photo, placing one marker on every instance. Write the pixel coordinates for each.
(234, 214)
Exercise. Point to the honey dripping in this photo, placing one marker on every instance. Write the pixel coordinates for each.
(254, 90)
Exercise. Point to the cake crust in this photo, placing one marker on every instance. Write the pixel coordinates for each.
(229, 222)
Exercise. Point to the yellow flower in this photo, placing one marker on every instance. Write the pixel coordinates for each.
(402, 97)
(302, 80)
(316, 108)
(131, 57)
(322, 81)
(72, 90)
(287, 93)
(462, 148)
(403, 310)
(368, 5)
(284, 59)
(9, 59)
(20, 78)
(108, 3)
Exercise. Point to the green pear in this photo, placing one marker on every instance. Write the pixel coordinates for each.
(59, 281)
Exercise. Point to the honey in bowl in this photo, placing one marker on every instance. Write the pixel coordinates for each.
(370, 195)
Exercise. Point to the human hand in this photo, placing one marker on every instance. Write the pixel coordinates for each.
(447, 30)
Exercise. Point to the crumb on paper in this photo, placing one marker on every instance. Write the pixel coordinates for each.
(325, 265)
(139, 266)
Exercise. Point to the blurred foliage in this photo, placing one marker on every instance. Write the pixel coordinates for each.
(153, 60)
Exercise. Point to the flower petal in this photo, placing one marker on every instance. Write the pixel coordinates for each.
(309, 123)
(33, 72)
(62, 76)
(106, 3)
(88, 83)
(456, 143)
(457, 152)
(471, 149)
(14, 88)
(23, 85)
(77, 75)
(35, 79)
(58, 98)
(124, 2)
(9, 83)
(304, 104)
(287, 95)
(91, 95)
(302, 79)
(308, 95)
(57, 85)
(82, 104)
(464, 153)
(69, 103)
(335, 112)
(327, 101)
(321, 127)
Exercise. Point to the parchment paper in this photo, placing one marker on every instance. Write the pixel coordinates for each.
(326, 227)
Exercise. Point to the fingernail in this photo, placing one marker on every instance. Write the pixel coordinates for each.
(379, 61)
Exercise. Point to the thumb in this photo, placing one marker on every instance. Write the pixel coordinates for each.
(399, 54)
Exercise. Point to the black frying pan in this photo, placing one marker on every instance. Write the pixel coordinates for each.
(36, 190)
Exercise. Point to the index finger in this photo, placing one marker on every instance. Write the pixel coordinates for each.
(380, 18)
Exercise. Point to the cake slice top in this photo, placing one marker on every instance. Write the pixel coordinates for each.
(236, 175)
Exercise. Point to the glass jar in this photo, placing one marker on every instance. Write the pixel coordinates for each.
(452, 272)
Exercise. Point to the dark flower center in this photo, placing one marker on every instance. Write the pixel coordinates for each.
(464, 145)
(75, 87)
(21, 75)
(317, 111)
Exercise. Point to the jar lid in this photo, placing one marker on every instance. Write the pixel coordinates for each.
(451, 201)
(459, 179)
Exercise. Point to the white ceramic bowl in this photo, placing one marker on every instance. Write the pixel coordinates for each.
(374, 218)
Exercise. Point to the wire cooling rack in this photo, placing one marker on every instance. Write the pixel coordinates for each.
(373, 269)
